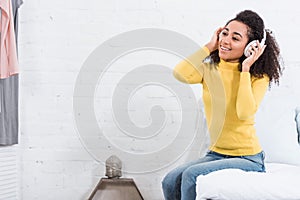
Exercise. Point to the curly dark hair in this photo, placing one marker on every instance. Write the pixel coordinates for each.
(270, 62)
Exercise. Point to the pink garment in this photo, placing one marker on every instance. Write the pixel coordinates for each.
(8, 50)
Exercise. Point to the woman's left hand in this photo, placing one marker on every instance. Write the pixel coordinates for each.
(256, 51)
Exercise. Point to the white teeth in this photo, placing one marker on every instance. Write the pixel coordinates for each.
(225, 49)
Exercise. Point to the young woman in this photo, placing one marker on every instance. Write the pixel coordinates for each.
(234, 80)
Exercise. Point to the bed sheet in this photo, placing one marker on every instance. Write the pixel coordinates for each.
(279, 182)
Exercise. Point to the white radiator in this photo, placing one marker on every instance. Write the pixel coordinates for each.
(8, 173)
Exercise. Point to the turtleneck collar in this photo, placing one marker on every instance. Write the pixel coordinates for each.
(229, 65)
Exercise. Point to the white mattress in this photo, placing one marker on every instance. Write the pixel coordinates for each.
(280, 182)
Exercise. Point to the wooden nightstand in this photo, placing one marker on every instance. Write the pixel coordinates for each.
(116, 189)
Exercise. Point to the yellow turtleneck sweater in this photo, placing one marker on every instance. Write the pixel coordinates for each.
(231, 99)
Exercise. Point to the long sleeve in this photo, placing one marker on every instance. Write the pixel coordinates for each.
(190, 70)
(250, 94)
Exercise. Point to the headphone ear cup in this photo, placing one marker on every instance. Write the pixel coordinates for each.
(247, 49)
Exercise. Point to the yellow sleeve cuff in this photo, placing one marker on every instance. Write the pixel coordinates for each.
(245, 77)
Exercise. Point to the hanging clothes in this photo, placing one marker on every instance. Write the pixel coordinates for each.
(8, 51)
(9, 93)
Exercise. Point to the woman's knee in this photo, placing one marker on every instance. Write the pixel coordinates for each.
(189, 174)
(168, 187)
(186, 175)
(167, 181)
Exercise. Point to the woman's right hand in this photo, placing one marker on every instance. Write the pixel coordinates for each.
(212, 45)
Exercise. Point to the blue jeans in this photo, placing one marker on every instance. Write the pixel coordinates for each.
(180, 183)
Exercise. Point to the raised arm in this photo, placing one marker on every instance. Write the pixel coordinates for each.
(251, 93)
(190, 70)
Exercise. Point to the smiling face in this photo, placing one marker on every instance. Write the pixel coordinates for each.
(232, 41)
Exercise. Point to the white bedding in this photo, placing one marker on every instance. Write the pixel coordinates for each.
(280, 182)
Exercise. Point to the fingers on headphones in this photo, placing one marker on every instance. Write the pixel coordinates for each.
(257, 45)
(257, 49)
(254, 46)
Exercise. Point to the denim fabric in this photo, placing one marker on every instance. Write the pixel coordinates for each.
(180, 183)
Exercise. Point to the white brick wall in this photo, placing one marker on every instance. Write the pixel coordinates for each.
(56, 37)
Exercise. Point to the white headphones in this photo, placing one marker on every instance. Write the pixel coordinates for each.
(247, 52)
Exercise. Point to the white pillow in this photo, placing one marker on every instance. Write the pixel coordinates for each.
(278, 135)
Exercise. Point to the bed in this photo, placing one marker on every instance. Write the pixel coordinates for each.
(281, 181)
